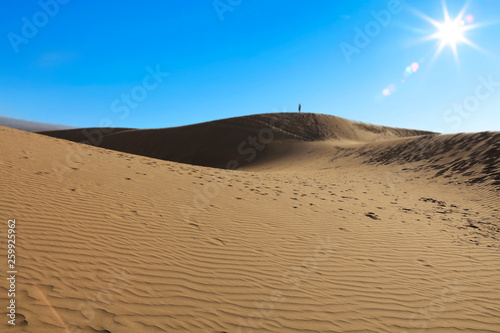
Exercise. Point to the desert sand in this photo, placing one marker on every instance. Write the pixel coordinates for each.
(326, 225)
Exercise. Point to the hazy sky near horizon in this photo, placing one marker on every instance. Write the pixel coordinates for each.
(169, 63)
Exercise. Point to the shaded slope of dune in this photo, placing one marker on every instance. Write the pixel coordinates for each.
(469, 157)
(236, 139)
(474, 156)
(91, 135)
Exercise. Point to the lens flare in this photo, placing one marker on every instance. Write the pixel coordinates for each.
(414, 67)
(390, 90)
(54, 312)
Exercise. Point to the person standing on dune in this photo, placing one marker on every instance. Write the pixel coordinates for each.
(300, 107)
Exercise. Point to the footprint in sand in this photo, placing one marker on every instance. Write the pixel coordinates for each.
(372, 216)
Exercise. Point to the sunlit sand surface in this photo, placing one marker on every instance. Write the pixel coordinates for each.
(333, 226)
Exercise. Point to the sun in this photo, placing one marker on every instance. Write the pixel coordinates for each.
(452, 31)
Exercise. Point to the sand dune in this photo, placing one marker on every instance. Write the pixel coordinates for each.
(334, 226)
(215, 143)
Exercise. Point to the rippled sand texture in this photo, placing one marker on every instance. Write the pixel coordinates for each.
(373, 230)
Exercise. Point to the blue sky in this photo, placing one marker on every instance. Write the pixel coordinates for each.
(89, 63)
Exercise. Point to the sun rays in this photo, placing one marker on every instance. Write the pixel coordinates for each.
(452, 31)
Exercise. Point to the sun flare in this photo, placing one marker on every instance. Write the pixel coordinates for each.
(452, 31)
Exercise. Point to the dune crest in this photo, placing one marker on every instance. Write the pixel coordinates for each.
(217, 142)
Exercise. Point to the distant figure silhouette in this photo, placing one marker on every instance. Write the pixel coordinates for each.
(300, 107)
